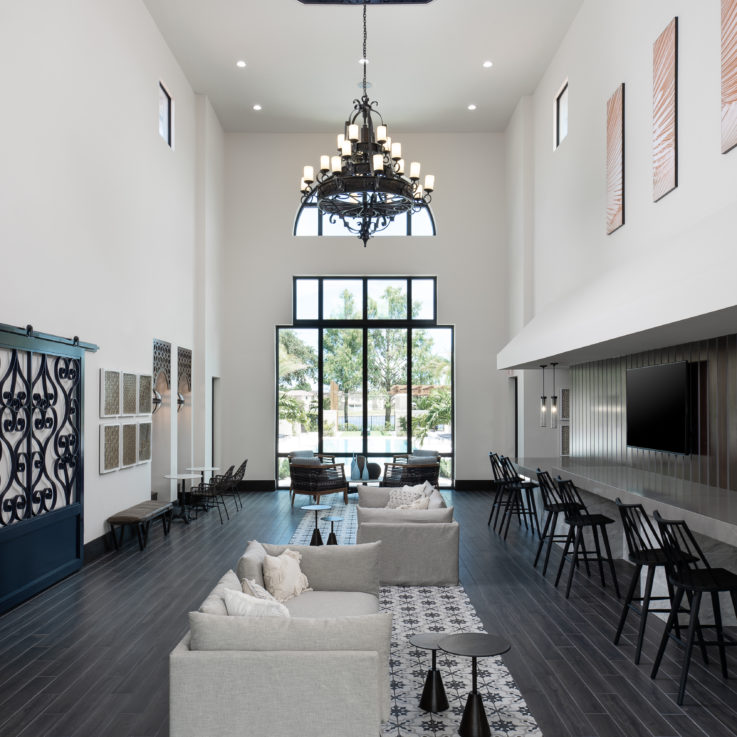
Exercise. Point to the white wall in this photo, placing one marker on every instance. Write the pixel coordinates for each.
(96, 211)
(674, 259)
(468, 256)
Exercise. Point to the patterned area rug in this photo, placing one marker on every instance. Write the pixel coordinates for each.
(431, 609)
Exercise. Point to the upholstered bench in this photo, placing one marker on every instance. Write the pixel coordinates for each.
(141, 515)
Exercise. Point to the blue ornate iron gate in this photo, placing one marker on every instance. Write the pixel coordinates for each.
(41, 461)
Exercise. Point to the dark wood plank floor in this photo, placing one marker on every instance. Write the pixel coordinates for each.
(89, 656)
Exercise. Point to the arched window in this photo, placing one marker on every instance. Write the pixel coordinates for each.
(310, 221)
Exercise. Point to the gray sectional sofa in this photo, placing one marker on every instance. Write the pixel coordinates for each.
(419, 547)
(322, 672)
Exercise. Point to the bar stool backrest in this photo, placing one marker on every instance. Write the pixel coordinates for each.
(496, 467)
(638, 529)
(680, 547)
(548, 489)
(510, 473)
(571, 498)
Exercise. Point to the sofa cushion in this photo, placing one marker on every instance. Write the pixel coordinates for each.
(420, 503)
(403, 495)
(302, 454)
(398, 516)
(250, 587)
(251, 563)
(283, 576)
(368, 632)
(214, 603)
(338, 567)
(427, 453)
(311, 461)
(436, 500)
(332, 604)
(239, 604)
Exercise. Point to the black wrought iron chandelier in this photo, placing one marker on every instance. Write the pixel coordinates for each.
(365, 186)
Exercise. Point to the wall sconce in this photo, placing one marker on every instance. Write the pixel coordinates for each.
(180, 401)
(156, 401)
(543, 401)
(553, 402)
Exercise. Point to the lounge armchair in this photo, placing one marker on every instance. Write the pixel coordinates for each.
(411, 473)
(317, 479)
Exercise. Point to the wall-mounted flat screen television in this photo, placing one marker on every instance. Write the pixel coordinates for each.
(658, 407)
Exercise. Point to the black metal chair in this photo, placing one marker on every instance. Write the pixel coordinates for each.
(515, 504)
(230, 488)
(209, 494)
(553, 507)
(691, 576)
(579, 519)
(645, 550)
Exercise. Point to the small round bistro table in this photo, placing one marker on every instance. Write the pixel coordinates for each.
(181, 494)
(332, 539)
(316, 536)
(474, 645)
(202, 470)
(433, 694)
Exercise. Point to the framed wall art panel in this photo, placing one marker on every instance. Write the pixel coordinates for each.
(129, 452)
(145, 394)
(109, 448)
(144, 442)
(729, 75)
(129, 394)
(665, 111)
(615, 160)
(109, 393)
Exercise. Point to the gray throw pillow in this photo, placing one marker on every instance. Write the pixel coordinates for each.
(436, 500)
(251, 563)
(215, 603)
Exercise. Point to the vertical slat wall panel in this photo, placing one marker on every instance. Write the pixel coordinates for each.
(598, 412)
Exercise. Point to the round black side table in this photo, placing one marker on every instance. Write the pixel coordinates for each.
(474, 645)
(433, 694)
(316, 536)
(332, 539)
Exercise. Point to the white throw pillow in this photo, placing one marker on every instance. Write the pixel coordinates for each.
(283, 576)
(420, 503)
(239, 604)
(251, 588)
(401, 496)
(436, 501)
(427, 488)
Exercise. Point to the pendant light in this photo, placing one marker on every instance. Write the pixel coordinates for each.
(553, 402)
(543, 401)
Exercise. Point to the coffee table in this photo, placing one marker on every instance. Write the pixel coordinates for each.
(332, 539)
(474, 645)
(433, 694)
(316, 536)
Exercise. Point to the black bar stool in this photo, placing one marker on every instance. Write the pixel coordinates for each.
(553, 506)
(500, 487)
(523, 507)
(579, 519)
(691, 576)
(645, 549)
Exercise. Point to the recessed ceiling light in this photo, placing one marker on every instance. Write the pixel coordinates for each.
(240, 64)
(257, 107)
(363, 61)
(488, 64)
(471, 107)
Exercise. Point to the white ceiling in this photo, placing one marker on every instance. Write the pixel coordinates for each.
(425, 60)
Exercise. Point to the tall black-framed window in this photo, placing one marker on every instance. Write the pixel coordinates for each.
(366, 369)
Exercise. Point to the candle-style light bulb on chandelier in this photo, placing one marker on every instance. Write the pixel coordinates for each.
(365, 185)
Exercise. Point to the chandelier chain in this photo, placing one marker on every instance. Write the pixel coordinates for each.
(364, 57)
